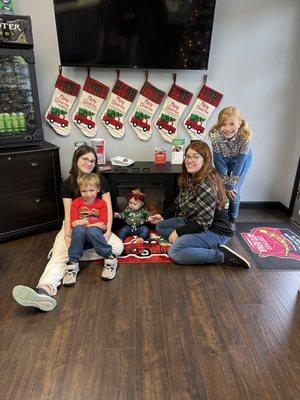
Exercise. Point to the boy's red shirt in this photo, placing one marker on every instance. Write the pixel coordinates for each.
(96, 212)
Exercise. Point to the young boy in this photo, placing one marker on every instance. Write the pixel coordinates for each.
(88, 222)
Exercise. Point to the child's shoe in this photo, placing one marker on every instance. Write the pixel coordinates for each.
(71, 271)
(110, 268)
(38, 298)
(233, 259)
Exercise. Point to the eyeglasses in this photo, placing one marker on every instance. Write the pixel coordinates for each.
(195, 157)
(87, 160)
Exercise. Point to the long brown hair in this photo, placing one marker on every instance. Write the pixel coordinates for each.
(75, 172)
(233, 112)
(207, 173)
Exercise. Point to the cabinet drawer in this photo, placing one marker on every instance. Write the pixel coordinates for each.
(26, 171)
(28, 209)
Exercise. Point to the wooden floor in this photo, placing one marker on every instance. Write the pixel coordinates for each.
(155, 332)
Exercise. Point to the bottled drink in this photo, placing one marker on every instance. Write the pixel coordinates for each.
(2, 124)
(22, 122)
(15, 122)
(7, 123)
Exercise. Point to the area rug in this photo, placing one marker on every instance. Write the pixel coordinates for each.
(273, 246)
(154, 250)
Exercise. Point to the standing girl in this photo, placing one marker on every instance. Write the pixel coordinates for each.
(84, 161)
(231, 138)
(196, 223)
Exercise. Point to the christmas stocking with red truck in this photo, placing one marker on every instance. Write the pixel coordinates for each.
(147, 103)
(62, 101)
(90, 101)
(118, 104)
(174, 105)
(207, 100)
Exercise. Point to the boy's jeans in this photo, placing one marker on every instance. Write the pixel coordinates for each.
(194, 248)
(85, 238)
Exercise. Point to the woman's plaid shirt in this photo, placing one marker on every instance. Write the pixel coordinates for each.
(197, 203)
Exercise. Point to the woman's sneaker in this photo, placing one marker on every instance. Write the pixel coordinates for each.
(71, 271)
(233, 259)
(38, 298)
(110, 268)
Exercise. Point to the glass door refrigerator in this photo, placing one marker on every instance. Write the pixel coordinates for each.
(20, 117)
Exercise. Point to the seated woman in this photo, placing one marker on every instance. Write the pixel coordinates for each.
(84, 161)
(196, 223)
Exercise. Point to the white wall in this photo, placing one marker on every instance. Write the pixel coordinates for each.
(254, 61)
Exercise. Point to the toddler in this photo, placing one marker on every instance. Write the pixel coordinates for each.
(135, 215)
(88, 222)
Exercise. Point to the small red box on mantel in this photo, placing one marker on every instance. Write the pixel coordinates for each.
(160, 156)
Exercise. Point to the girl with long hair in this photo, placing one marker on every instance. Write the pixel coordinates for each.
(231, 139)
(196, 224)
(84, 161)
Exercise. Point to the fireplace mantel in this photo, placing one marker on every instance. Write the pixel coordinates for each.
(144, 174)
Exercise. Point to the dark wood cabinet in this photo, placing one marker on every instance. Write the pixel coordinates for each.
(30, 183)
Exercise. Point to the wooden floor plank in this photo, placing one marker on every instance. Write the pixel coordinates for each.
(151, 362)
(185, 370)
(157, 331)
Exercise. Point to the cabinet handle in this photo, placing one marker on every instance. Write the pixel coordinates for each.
(34, 164)
(38, 201)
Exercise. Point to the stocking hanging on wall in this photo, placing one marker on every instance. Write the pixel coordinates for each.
(207, 100)
(90, 101)
(173, 107)
(62, 101)
(147, 103)
(117, 106)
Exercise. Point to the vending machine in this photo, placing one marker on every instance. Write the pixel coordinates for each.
(20, 117)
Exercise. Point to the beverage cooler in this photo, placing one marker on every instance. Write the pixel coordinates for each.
(20, 118)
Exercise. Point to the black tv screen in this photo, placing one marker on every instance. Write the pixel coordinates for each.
(162, 34)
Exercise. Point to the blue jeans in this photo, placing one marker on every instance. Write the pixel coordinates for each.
(239, 166)
(140, 231)
(84, 238)
(194, 248)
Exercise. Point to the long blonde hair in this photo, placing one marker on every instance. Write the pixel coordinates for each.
(233, 112)
(207, 172)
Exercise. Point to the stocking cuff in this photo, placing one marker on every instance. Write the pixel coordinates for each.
(152, 93)
(95, 88)
(67, 86)
(210, 96)
(125, 91)
(179, 94)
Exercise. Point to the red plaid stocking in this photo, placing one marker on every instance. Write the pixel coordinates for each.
(117, 106)
(147, 103)
(173, 107)
(90, 101)
(208, 99)
(62, 101)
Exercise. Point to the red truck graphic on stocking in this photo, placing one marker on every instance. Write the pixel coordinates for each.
(112, 117)
(194, 123)
(166, 122)
(57, 115)
(140, 119)
(85, 117)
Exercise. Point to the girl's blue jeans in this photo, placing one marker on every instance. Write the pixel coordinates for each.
(84, 238)
(230, 165)
(140, 231)
(194, 248)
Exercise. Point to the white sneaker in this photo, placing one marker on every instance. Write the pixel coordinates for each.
(71, 271)
(38, 298)
(110, 269)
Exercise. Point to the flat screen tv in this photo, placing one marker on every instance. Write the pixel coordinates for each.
(161, 34)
